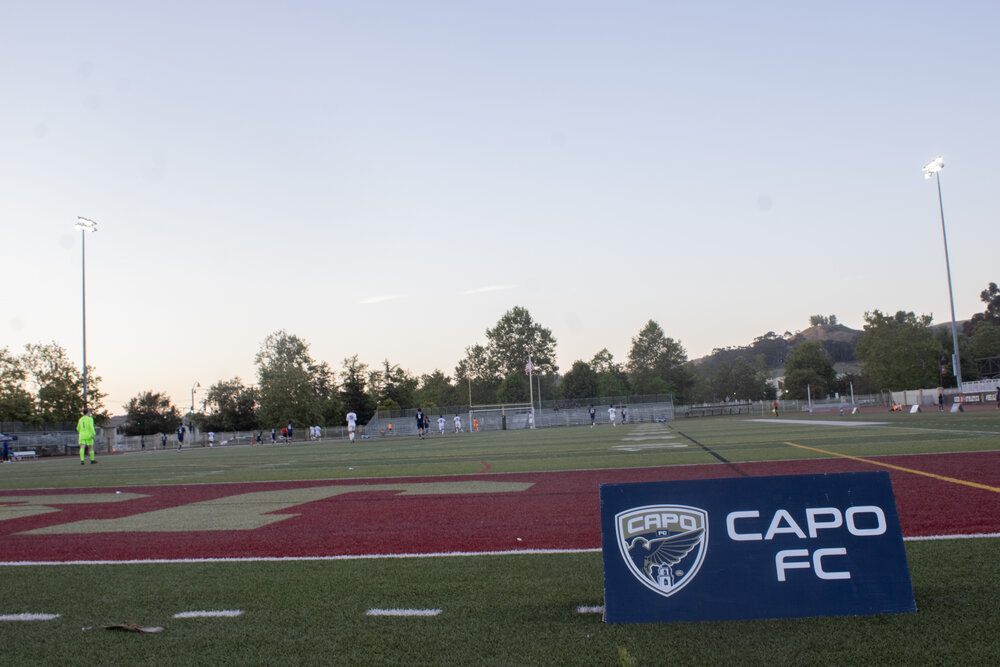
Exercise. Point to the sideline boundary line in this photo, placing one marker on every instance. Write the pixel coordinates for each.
(294, 559)
(953, 480)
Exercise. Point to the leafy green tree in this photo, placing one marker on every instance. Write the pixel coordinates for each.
(514, 388)
(991, 297)
(516, 338)
(149, 413)
(612, 380)
(807, 366)
(970, 368)
(437, 389)
(354, 389)
(478, 371)
(16, 402)
(392, 383)
(290, 382)
(59, 385)
(580, 381)
(656, 364)
(985, 340)
(231, 406)
(899, 351)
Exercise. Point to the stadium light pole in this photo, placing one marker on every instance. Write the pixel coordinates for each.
(934, 168)
(84, 225)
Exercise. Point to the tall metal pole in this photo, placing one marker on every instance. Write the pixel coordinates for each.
(85, 225)
(83, 283)
(955, 359)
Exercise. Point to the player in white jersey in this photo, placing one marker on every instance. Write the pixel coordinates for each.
(352, 420)
(458, 423)
(611, 415)
(441, 424)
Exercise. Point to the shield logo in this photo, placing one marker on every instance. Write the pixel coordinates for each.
(663, 545)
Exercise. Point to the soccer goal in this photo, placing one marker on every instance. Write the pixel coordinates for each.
(506, 416)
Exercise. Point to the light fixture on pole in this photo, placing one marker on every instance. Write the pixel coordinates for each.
(84, 225)
(933, 168)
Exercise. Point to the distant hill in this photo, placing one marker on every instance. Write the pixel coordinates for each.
(837, 340)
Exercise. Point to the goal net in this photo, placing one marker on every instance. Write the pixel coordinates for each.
(499, 417)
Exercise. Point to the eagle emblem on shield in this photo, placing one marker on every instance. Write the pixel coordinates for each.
(663, 545)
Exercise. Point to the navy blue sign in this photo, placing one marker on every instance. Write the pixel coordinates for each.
(757, 547)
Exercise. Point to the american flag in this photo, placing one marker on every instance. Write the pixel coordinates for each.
(529, 367)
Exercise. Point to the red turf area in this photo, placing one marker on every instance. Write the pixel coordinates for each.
(560, 510)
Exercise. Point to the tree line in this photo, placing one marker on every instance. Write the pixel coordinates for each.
(899, 351)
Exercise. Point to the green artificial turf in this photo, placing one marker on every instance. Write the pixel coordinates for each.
(495, 610)
(682, 442)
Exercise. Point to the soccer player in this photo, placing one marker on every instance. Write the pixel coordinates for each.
(352, 422)
(593, 415)
(180, 437)
(475, 424)
(85, 429)
(458, 423)
(211, 438)
(611, 415)
(420, 423)
(531, 419)
(441, 424)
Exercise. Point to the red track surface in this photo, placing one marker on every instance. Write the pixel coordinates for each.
(560, 510)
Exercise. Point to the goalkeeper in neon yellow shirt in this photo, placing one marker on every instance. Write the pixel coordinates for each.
(85, 427)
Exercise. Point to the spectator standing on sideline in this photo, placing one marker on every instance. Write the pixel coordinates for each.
(940, 401)
(163, 441)
(775, 408)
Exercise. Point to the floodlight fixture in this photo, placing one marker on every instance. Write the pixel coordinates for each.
(85, 224)
(933, 167)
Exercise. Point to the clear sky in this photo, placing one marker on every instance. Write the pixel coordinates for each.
(387, 179)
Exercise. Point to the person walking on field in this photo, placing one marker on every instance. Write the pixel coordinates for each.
(352, 424)
(86, 431)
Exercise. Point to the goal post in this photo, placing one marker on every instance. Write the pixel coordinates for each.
(499, 417)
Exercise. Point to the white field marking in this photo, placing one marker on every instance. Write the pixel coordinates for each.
(28, 617)
(590, 610)
(443, 554)
(402, 612)
(817, 422)
(291, 559)
(651, 436)
(639, 446)
(949, 537)
(221, 613)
